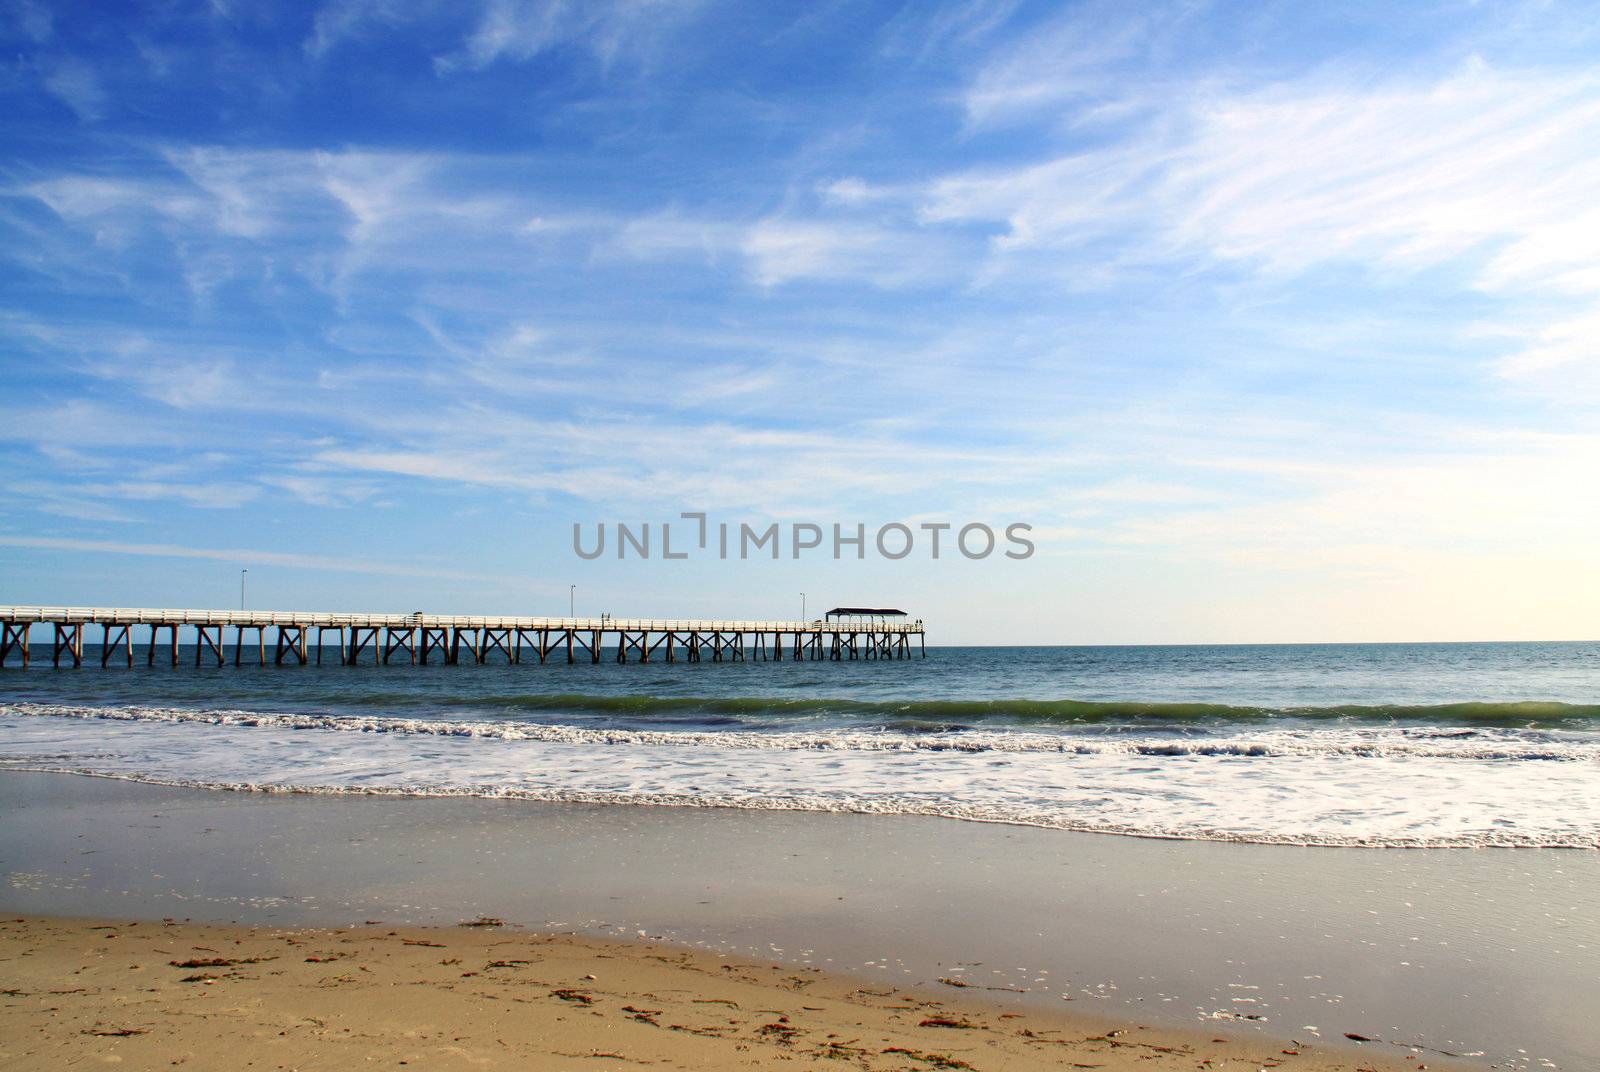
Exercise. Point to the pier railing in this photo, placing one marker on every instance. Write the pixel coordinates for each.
(317, 619)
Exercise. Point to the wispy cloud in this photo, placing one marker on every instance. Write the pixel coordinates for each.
(1059, 68)
(77, 86)
(491, 31)
(34, 19)
(784, 250)
(237, 555)
(341, 20)
(1402, 175)
(612, 29)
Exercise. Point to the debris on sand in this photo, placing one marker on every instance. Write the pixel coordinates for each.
(568, 994)
(933, 1060)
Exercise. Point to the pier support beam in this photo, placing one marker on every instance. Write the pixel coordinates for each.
(208, 636)
(474, 645)
(14, 637)
(261, 643)
(638, 643)
(116, 636)
(592, 645)
(434, 638)
(172, 643)
(496, 640)
(69, 638)
(360, 637)
(402, 639)
(323, 630)
(291, 641)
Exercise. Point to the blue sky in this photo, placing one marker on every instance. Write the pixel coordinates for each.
(1277, 321)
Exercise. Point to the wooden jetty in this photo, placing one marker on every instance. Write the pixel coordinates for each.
(844, 634)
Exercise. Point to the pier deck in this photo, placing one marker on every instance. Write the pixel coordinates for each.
(417, 638)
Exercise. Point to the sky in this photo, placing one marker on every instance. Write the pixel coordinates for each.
(1277, 322)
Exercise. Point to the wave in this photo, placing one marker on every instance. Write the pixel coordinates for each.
(1519, 713)
(878, 805)
(1265, 742)
(1511, 714)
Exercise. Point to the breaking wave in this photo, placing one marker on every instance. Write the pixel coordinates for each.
(1530, 713)
(1460, 744)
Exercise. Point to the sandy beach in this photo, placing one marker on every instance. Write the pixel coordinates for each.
(1177, 943)
(165, 994)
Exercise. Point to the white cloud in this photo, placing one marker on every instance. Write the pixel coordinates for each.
(341, 20)
(212, 495)
(88, 425)
(188, 384)
(1409, 175)
(1065, 62)
(672, 234)
(36, 21)
(1564, 354)
(782, 250)
(76, 85)
(612, 30)
(322, 490)
(1486, 174)
(1381, 514)
(249, 555)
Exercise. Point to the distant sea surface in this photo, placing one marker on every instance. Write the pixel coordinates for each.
(1381, 744)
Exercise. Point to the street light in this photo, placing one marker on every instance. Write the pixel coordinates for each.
(802, 606)
(242, 574)
(572, 601)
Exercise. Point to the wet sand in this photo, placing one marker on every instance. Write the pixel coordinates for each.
(148, 995)
(1492, 952)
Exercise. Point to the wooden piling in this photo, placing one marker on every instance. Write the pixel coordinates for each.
(115, 636)
(291, 641)
(13, 637)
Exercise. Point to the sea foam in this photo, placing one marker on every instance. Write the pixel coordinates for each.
(1378, 785)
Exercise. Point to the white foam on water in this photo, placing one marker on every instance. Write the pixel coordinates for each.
(1380, 786)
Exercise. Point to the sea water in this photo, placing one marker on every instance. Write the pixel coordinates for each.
(1383, 745)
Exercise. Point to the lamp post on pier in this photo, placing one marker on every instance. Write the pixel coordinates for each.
(802, 606)
(242, 574)
(572, 601)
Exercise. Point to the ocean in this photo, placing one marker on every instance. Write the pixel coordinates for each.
(1404, 745)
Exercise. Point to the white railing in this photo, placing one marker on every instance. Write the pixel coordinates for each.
(305, 619)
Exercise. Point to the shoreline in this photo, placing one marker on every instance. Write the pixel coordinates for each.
(776, 804)
(148, 993)
(1253, 941)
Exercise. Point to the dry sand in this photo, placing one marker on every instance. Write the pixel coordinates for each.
(163, 995)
